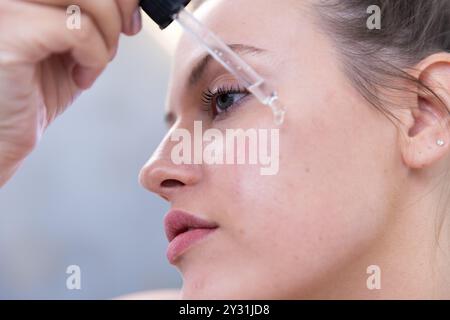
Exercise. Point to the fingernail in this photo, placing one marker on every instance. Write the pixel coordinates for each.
(136, 21)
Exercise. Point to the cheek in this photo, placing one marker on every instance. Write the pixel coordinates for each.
(323, 207)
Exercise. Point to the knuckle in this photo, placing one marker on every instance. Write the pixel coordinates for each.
(86, 29)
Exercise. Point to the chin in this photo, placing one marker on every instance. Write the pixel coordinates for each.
(208, 288)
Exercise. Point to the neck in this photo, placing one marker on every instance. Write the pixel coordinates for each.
(411, 253)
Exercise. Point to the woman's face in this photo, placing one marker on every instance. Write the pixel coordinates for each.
(290, 234)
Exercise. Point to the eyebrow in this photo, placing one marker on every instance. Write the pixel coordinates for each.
(204, 63)
(200, 68)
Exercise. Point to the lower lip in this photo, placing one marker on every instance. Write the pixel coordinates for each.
(184, 241)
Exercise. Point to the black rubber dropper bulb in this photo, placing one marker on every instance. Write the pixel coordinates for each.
(163, 11)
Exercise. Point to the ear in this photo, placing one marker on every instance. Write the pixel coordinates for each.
(428, 123)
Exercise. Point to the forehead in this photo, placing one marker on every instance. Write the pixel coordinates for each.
(259, 23)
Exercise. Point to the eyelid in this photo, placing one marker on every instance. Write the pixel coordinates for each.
(234, 108)
(209, 97)
(224, 89)
(222, 81)
(204, 65)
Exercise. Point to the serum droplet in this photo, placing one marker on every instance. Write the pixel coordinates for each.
(278, 109)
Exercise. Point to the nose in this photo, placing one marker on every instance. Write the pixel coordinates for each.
(162, 176)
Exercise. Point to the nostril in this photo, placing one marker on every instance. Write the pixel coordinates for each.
(170, 183)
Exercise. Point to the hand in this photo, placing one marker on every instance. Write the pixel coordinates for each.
(44, 65)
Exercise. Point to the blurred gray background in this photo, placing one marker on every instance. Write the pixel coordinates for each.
(77, 201)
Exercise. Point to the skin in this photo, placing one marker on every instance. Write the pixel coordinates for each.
(44, 65)
(353, 190)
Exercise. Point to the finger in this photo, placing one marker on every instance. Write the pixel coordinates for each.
(45, 33)
(105, 13)
(131, 16)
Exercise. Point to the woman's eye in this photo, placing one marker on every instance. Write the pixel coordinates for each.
(227, 100)
(222, 100)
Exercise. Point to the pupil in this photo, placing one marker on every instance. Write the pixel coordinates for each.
(224, 101)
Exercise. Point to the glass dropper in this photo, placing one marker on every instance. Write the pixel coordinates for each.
(164, 12)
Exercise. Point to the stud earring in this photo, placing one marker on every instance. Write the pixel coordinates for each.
(440, 142)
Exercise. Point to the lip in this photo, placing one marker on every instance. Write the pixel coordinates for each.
(184, 230)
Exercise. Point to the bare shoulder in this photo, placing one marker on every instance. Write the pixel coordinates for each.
(163, 294)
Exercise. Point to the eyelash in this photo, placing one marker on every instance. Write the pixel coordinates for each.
(209, 97)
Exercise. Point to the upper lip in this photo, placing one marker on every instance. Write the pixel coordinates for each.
(177, 221)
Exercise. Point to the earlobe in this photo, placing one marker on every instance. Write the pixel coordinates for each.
(425, 149)
(428, 138)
